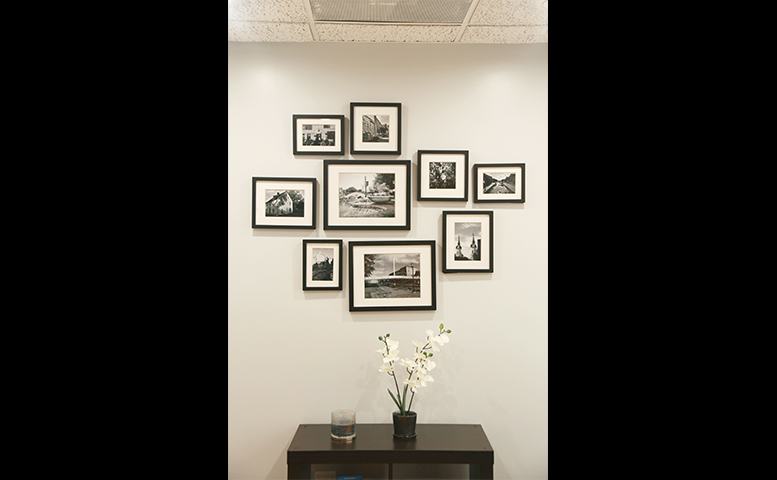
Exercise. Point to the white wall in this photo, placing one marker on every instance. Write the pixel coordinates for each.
(294, 356)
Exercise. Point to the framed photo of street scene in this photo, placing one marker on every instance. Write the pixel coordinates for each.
(367, 194)
(376, 128)
(467, 241)
(442, 174)
(500, 182)
(318, 134)
(392, 275)
(283, 202)
(322, 264)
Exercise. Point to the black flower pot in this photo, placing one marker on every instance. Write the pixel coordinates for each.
(404, 425)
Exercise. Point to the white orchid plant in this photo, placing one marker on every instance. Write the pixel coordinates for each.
(417, 368)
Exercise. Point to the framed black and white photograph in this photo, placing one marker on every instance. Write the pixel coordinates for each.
(318, 134)
(283, 202)
(376, 128)
(467, 241)
(442, 175)
(500, 182)
(367, 194)
(322, 264)
(392, 275)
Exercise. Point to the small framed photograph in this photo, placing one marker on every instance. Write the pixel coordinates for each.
(392, 275)
(376, 128)
(318, 134)
(467, 241)
(367, 194)
(283, 202)
(321, 264)
(442, 174)
(500, 182)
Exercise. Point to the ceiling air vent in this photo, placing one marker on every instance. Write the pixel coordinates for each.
(391, 11)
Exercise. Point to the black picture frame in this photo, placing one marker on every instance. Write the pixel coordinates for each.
(398, 106)
(476, 191)
(433, 268)
(295, 146)
(328, 163)
(419, 168)
(340, 257)
(490, 215)
(255, 180)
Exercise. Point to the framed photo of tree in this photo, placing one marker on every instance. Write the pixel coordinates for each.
(442, 175)
(322, 264)
(500, 182)
(283, 202)
(376, 128)
(467, 241)
(318, 134)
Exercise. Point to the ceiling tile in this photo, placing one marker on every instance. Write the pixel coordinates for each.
(269, 32)
(338, 32)
(535, 34)
(510, 12)
(268, 10)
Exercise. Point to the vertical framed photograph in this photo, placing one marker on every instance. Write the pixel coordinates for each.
(283, 202)
(376, 128)
(367, 194)
(442, 174)
(467, 241)
(500, 182)
(318, 134)
(322, 264)
(392, 275)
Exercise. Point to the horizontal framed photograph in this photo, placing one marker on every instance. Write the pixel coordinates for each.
(376, 128)
(392, 275)
(442, 174)
(318, 134)
(500, 182)
(367, 194)
(322, 264)
(283, 202)
(467, 241)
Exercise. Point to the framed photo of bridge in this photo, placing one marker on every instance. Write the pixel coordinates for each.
(392, 275)
(499, 182)
(467, 241)
(367, 194)
(376, 128)
(283, 202)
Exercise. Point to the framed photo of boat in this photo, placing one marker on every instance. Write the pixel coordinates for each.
(499, 182)
(376, 128)
(392, 275)
(442, 175)
(283, 202)
(318, 134)
(467, 241)
(322, 264)
(367, 194)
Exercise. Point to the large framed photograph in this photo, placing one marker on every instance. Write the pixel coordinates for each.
(500, 182)
(322, 264)
(442, 174)
(367, 194)
(467, 241)
(318, 134)
(376, 128)
(392, 275)
(283, 202)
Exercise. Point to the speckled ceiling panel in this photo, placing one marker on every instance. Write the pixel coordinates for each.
(510, 12)
(479, 34)
(269, 32)
(338, 32)
(268, 10)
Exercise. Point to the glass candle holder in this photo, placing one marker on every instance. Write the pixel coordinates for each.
(343, 425)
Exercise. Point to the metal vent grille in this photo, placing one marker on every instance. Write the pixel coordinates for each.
(391, 11)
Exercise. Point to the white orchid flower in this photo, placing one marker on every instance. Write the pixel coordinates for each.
(392, 344)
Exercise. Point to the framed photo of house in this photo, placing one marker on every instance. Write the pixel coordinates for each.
(322, 264)
(442, 175)
(283, 202)
(318, 134)
(367, 194)
(467, 241)
(392, 275)
(376, 128)
(500, 182)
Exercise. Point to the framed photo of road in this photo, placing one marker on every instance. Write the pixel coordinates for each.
(500, 182)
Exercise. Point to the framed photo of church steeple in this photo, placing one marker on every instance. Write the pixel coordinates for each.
(467, 241)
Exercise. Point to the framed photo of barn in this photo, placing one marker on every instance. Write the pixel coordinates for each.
(500, 182)
(283, 202)
(392, 275)
(442, 175)
(467, 241)
(376, 128)
(318, 134)
(367, 194)
(322, 264)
